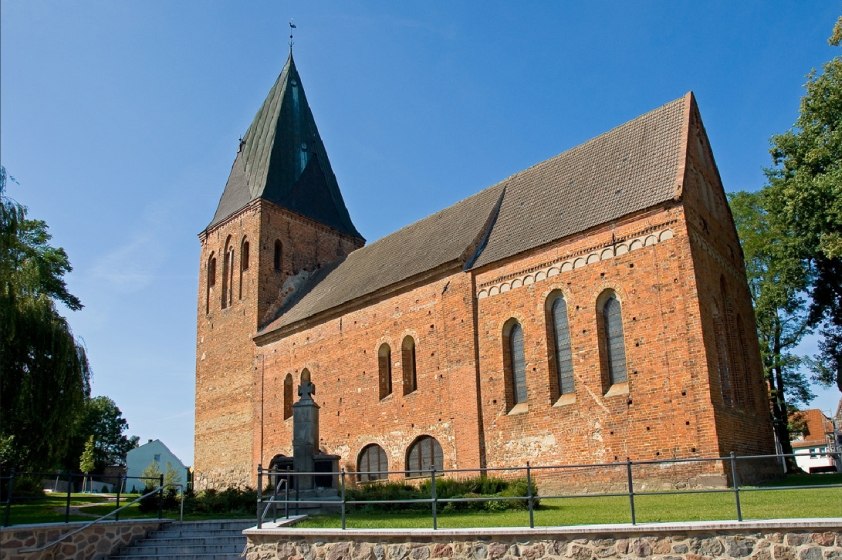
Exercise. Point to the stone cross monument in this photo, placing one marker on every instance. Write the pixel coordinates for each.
(305, 433)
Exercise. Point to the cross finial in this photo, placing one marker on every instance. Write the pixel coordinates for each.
(291, 27)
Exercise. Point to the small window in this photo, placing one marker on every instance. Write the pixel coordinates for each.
(211, 282)
(514, 364)
(410, 378)
(157, 457)
(244, 255)
(613, 344)
(424, 454)
(279, 255)
(288, 396)
(372, 464)
(384, 368)
(562, 354)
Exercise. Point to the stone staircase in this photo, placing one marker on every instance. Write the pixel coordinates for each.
(195, 540)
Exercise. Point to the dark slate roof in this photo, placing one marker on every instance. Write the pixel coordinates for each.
(282, 159)
(630, 168)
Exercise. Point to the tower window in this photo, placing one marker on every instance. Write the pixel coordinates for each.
(211, 281)
(410, 378)
(384, 368)
(244, 262)
(227, 274)
(279, 254)
(288, 396)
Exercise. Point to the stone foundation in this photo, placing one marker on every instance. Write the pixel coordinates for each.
(763, 540)
(94, 543)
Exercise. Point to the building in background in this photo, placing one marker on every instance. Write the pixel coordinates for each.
(814, 445)
(151, 452)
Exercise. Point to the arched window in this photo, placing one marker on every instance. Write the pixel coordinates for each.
(748, 382)
(227, 274)
(279, 255)
(613, 343)
(244, 262)
(288, 396)
(514, 363)
(372, 464)
(424, 453)
(410, 378)
(211, 281)
(562, 361)
(384, 368)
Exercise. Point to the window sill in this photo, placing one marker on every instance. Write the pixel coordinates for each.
(520, 408)
(618, 389)
(565, 400)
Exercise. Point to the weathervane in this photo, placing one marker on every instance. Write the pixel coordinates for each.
(291, 27)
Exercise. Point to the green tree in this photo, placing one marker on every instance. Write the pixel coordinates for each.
(103, 419)
(152, 471)
(44, 371)
(805, 194)
(86, 461)
(777, 285)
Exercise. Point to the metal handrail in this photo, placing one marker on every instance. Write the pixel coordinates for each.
(41, 548)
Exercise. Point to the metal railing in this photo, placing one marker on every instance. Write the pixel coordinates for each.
(69, 481)
(730, 471)
(159, 490)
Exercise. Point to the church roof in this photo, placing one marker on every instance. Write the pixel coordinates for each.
(282, 159)
(628, 169)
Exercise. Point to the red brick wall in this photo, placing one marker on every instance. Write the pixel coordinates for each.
(226, 367)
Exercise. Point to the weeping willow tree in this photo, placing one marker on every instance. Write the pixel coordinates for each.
(44, 372)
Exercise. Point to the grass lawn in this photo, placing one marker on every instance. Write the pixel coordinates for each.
(770, 501)
(756, 504)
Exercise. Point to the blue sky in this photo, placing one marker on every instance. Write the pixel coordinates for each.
(120, 121)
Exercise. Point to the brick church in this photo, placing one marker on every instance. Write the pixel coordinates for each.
(588, 309)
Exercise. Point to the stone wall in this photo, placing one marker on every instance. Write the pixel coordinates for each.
(816, 540)
(93, 543)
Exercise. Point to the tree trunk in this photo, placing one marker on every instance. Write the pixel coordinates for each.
(780, 413)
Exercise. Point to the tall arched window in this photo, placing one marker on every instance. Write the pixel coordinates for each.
(372, 463)
(747, 382)
(279, 255)
(384, 368)
(244, 262)
(288, 396)
(211, 281)
(424, 453)
(613, 343)
(562, 355)
(514, 363)
(410, 378)
(227, 274)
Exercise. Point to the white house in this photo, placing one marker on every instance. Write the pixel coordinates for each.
(154, 451)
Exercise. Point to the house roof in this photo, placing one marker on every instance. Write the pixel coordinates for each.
(817, 425)
(282, 159)
(628, 169)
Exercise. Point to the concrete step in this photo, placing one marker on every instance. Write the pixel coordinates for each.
(199, 540)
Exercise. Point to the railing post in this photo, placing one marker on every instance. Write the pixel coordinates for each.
(117, 507)
(342, 490)
(10, 490)
(67, 502)
(736, 480)
(631, 489)
(259, 495)
(286, 497)
(529, 495)
(434, 497)
(160, 496)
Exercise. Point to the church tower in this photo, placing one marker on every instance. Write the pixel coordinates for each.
(280, 218)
